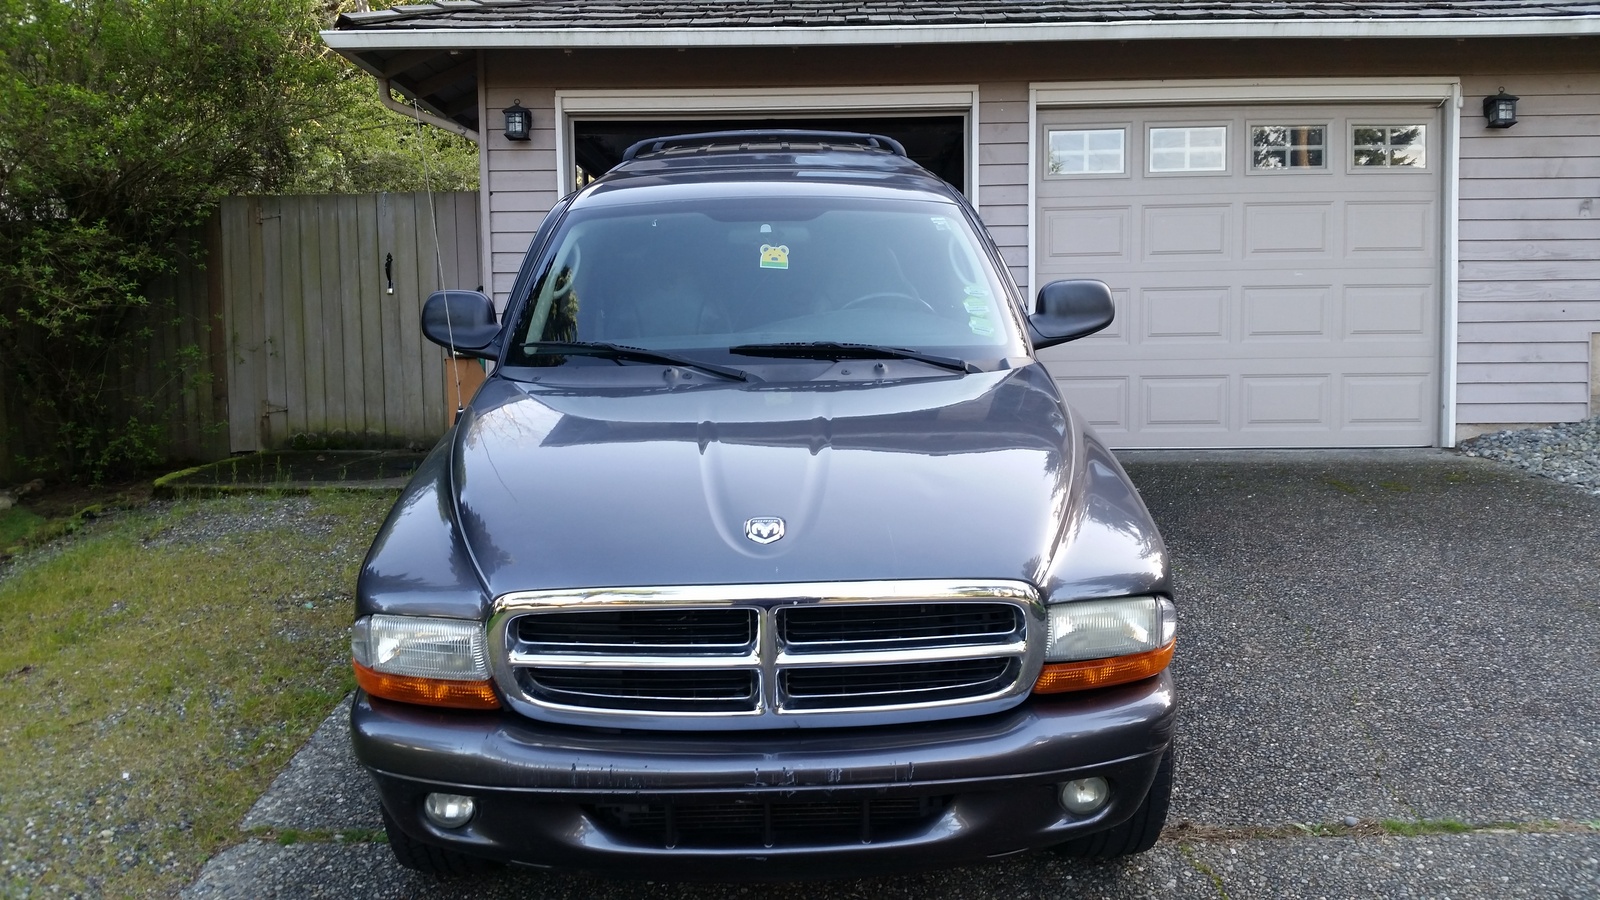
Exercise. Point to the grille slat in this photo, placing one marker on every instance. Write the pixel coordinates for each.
(825, 628)
(866, 686)
(697, 689)
(661, 631)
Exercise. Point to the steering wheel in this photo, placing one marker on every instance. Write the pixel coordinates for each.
(891, 298)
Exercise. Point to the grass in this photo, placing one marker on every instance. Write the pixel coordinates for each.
(16, 525)
(1416, 827)
(156, 672)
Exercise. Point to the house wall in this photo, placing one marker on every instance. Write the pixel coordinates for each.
(1530, 252)
(1529, 297)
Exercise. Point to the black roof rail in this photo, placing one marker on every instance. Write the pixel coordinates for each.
(766, 136)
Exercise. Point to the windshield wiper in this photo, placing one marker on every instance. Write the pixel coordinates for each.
(638, 354)
(840, 350)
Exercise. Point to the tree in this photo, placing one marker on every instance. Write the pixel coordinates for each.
(123, 122)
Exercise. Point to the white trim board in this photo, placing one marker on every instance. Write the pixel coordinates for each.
(680, 104)
(1441, 92)
(1234, 91)
(512, 38)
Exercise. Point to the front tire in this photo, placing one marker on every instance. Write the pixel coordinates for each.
(1136, 835)
(427, 858)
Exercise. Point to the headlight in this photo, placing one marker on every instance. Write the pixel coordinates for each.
(1098, 643)
(412, 659)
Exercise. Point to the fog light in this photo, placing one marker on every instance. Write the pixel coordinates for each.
(450, 810)
(1084, 796)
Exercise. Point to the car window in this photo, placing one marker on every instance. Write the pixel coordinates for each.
(714, 274)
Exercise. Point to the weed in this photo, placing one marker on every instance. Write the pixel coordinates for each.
(1204, 869)
(17, 525)
(1415, 827)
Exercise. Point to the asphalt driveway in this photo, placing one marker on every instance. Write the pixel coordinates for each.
(1389, 666)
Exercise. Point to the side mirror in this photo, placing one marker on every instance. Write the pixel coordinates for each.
(462, 322)
(1069, 310)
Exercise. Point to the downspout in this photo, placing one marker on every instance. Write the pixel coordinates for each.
(387, 99)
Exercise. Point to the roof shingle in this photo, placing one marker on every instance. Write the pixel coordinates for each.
(602, 14)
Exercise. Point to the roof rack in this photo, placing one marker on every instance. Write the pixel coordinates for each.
(784, 136)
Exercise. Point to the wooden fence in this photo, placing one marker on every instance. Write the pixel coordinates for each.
(302, 319)
(322, 302)
(176, 380)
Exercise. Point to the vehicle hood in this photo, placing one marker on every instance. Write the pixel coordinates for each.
(952, 477)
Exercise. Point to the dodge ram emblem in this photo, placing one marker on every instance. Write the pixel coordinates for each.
(763, 529)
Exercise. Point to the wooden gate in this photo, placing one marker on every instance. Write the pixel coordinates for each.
(322, 301)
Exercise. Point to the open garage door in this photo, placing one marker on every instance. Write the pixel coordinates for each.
(938, 143)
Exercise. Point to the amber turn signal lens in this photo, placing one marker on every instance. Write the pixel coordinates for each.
(1058, 678)
(427, 691)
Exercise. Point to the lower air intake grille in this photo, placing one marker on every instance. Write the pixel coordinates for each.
(762, 824)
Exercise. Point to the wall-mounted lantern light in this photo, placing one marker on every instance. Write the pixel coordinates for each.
(519, 122)
(1500, 110)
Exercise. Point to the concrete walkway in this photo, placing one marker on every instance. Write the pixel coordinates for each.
(1408, 641)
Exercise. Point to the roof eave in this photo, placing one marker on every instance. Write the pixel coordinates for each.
(514, 38)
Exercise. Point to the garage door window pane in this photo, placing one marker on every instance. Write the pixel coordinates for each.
(1087, 152)
(1202, 149)
(1389, 146)
(1288, 146)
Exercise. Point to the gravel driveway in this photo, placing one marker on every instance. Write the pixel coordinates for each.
(1377, 650)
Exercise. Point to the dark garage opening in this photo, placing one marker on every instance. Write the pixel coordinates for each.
(938, 143)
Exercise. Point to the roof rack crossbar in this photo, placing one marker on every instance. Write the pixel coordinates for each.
(782, 136)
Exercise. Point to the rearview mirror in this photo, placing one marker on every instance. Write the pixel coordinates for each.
(1069, 310)
(462, 322)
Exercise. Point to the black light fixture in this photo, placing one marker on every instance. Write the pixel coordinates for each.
(1500, 110)
(519, 122)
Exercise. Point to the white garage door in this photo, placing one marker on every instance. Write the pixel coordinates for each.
(1276, 272)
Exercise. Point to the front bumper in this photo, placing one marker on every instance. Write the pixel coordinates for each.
(588, 799)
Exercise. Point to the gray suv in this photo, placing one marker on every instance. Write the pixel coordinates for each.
(769, 549)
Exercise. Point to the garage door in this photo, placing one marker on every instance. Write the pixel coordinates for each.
(1276, 272)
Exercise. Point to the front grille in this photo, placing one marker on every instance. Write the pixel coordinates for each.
(769, 824)
(743, 656)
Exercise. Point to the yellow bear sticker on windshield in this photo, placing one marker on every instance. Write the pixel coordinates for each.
(774, 257)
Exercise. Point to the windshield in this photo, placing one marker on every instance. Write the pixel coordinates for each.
(708, 275)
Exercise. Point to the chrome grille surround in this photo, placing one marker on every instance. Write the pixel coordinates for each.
(944, 649)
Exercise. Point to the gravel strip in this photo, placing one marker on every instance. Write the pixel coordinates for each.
(1568, 452)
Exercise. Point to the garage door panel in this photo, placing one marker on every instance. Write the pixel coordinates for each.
(1189, 230)
(1293, 308)
(1284, 228)
(1186, 315)
(1391, 400)
(1098, 233)
(1397, 228)
(1287, 313)
(1388, 312)
(1274, 401)
(1189, 402)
